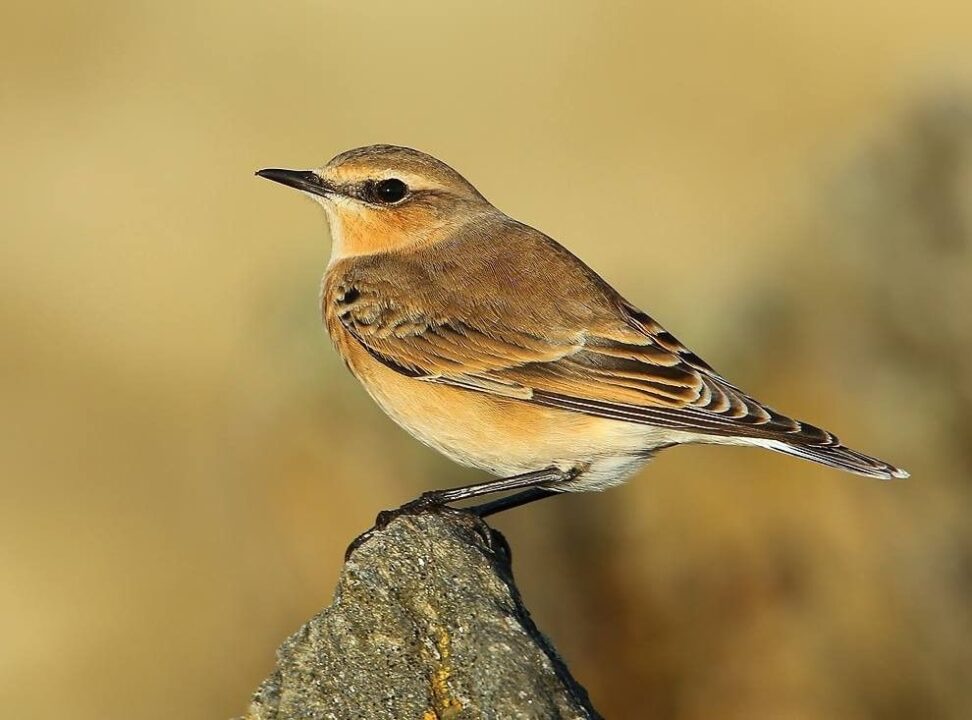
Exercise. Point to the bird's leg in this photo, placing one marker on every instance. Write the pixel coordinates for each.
(529, 483)
(512, 501)
(533, 479)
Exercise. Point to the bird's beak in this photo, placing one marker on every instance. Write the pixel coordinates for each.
(305, 180)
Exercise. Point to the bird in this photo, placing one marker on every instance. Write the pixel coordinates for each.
(492, 343)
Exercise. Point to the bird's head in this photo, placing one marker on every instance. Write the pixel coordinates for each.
(385, 197)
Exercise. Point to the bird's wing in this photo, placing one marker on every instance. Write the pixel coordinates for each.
(658, 382)
(583, 349)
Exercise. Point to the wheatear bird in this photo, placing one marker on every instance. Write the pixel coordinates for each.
(492, 343)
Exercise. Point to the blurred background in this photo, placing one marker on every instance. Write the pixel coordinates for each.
(786, 186)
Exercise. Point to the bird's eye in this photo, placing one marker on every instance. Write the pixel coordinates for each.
(389, 191)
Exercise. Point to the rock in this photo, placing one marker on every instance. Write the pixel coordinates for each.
(426, 623)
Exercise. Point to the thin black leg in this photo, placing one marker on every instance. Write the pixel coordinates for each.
(530, 483)
(516, 482)
(512, 501)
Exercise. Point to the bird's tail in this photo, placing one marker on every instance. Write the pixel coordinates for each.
(840, 457)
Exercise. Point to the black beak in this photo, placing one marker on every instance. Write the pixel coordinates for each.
(305, 180)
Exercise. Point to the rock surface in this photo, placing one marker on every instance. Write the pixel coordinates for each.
(426, 623)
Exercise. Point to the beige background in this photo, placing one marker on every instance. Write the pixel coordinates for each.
(787, 186)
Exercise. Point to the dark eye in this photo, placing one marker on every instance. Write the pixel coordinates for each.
(389, 191)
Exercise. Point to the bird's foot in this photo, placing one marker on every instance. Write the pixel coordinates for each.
(426, 502)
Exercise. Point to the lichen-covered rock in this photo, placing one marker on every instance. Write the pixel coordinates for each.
(427, 624)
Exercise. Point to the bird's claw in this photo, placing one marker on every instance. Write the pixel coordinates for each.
(423, 503)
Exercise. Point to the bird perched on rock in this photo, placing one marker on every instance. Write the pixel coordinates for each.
(492, 343)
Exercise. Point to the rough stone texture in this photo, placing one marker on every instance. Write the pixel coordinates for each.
(426, 623)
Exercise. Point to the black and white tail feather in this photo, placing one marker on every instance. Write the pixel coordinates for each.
(840, 457)
(756, 425)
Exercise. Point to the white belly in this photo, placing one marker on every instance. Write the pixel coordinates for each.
(508, 437)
